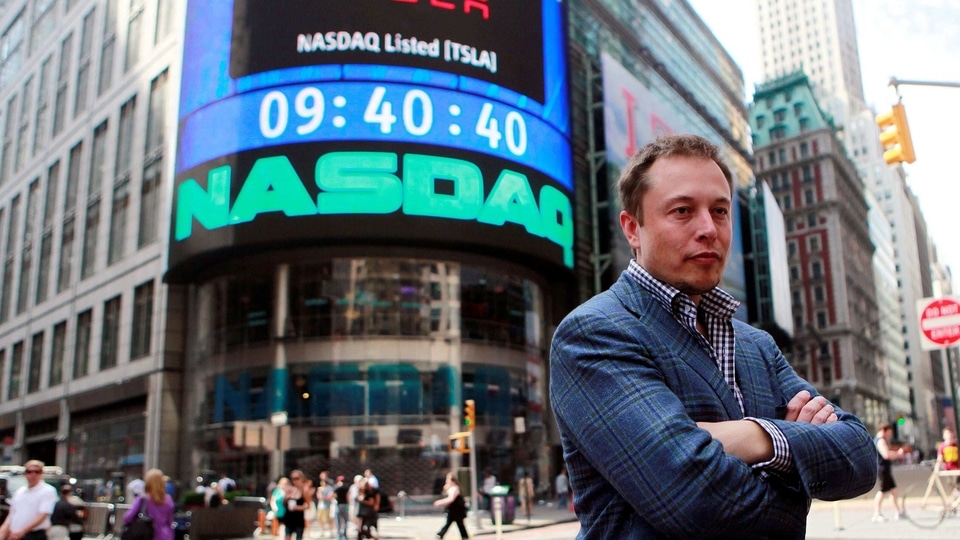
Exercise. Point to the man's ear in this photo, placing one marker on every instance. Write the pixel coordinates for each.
(630, 226)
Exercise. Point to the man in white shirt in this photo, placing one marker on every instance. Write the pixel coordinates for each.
(30, 507)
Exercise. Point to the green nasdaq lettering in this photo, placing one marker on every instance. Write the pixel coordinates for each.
(367, 183)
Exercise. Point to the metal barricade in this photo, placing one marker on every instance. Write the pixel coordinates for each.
(99, 520)
(120, 510)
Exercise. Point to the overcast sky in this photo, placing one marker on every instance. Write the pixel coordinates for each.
(906, 39)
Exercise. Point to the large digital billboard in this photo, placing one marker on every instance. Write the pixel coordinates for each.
(435, 123)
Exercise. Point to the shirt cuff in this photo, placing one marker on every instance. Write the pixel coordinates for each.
(781, 461)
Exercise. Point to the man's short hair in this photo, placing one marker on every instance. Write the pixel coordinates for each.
(634, 180)
(33, 463)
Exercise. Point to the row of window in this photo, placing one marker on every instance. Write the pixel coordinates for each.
(87, 167)
(70, 356)
(48, 89)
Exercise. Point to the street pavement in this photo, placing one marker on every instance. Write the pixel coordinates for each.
(849, 519)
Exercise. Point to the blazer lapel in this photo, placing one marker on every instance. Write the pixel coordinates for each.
(643, 305)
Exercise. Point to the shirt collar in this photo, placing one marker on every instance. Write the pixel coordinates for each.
(716, 301)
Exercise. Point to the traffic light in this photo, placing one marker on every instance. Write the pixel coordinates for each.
(470, 415)
(895, 136)
(901, 420)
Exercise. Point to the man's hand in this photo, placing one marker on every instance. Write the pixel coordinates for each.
(812, 411)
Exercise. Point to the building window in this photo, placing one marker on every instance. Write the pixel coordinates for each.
(782, 155)
(816, 270)
(6, 299)
(107, 49)
(98, 160)
(26, 248)
(807, 173)
(44, 20)
(164, 19)
(43, 270)
(20, 152)
(812, 219)
(81, 362)
(83, 68)
(787, 202)
(16, 369)
(794, 272)
(12, 50)
(88, 259)
(65, 270)
(6, 142)
(63, 83)
(149, 195)
(40, 119)
(142, 320)
(118, 222)
(156, 115)
(804, 149)
(125, 138)
(804, 125)
(798, 109)
(133, 35)
(772, 157)
(58, 353)
(3, 365)
(808, 196)
(760, 121)
(36, 363)
(821, 319)
(818, 293)
(814, 244)
(779, 116)
(109, 338)
(50, 197)
(73, 179)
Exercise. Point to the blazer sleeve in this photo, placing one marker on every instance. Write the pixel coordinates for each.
(834, 461)
(628, 439)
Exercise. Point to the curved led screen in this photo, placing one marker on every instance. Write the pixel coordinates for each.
(435, 123)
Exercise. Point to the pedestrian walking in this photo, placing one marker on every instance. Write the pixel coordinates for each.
(293, 518)
(527, 494)
(454, 506)
(369, 510)
(154, 503)
(67, 518)
(341, 494)
(888, 487)
(562, 486)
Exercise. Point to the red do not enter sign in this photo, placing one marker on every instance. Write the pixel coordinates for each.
(939, 321)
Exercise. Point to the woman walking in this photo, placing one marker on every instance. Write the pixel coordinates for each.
(454, 507)
(154, 502)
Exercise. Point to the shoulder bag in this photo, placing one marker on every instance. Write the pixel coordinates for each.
(141, 528)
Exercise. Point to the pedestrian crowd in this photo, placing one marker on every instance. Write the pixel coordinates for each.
(334, 507)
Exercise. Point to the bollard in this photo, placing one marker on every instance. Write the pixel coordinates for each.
(498, 516)
(402, 505)
(837, 525)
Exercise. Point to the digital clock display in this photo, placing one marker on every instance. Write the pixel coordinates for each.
(403, 112)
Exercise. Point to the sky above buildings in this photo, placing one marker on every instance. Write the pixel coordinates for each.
(906, 39)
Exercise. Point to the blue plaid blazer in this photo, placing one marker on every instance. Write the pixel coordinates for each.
(628, 384)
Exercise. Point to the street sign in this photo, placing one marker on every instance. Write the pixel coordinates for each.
(939, 322)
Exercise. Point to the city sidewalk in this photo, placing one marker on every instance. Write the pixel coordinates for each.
(425, 526)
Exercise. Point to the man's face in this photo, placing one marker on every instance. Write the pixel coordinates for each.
(33, 474)
(684, 240)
